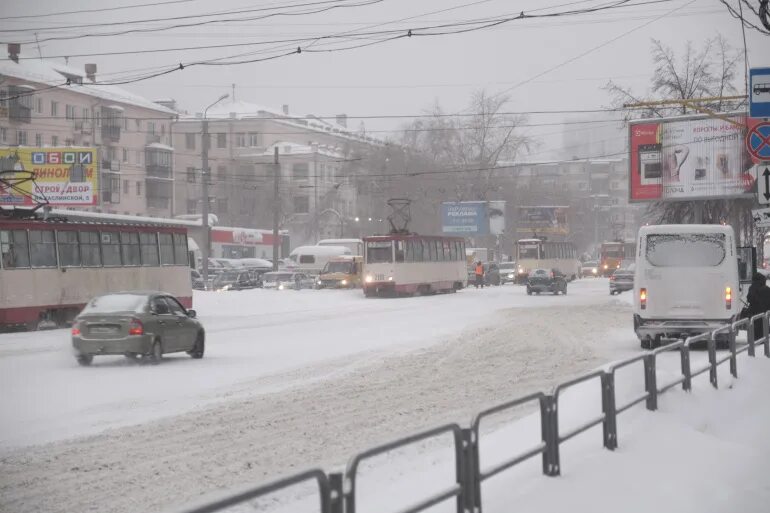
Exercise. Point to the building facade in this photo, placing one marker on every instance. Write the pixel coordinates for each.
(49, 104)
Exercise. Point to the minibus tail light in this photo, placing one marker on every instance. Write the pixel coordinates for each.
(728, 298)
(643, 298)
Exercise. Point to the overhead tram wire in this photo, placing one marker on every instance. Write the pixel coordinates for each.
(104, 9)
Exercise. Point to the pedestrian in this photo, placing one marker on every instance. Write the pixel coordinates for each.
(759, 301)
(479, 274)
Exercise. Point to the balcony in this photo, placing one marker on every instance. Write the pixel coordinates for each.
(84, 127)
(158, 163)
(112, 122)
(153, 138)
(110, 133)
(19, 104)
(158, 193)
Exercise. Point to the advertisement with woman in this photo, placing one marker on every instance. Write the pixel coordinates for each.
(690, 157)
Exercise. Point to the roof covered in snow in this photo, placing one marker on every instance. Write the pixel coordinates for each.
(51, 73)
(290, 148)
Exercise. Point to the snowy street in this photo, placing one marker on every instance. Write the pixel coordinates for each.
(290, 379)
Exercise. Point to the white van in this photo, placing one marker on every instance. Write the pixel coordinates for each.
(686, 281)
(356, 246)
(312, 259)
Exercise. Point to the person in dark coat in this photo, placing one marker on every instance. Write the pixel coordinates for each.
(759, 301)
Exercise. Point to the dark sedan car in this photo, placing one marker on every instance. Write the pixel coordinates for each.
(237, 280)
(143, 325)
(621, 280)
(546, 280)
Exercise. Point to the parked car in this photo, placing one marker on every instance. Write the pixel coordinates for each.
(197, 280)
(589, 269)
(546, 280)
(621, 280)
(507, 272)
(282, 280)
(236, 280)
(143, 325)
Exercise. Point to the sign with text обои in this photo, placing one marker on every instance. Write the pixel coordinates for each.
(62, 176)
(465, 218)
(690, 157)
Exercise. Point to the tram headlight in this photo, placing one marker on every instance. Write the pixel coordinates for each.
(280, 287)
(390, 278)
(606, 267)
(594, 270)
(369, 278)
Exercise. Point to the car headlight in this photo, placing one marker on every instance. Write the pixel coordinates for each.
(344, 282)
(319, 282)
(594, 270)
(510, 275)
(280, 287)
(390, 278)
(521, 270)
(369, 278)
(606, 266)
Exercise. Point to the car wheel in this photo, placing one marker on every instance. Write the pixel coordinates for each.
(199, 348)
(84, 359)
(156, 353)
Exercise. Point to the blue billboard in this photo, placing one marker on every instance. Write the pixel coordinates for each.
(465, 218)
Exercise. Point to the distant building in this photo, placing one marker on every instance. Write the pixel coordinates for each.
(47, 103)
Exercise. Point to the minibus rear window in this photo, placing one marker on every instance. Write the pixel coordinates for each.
(686, 249)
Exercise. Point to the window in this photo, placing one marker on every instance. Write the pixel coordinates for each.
(39, 106)
(174, 306)
(110, 249)
(614, 185)
(301, 204)
(189, 141)
(166, 248)
(191, 174)
(90, 255)
(409, 251)
(582, 186)
(125, 186)
(69, 250)
(14, 249)
(54, 108)
(253, 139)
(54, 140)
(151, 128)
(138, 125)
(21, 137)
(42, 248)
(38, 139)
(129, 248)
(125, 155)
(180, 249)
(192, 206)
(69, 142)
(3, 134)
(148, 243)
(686, 249)
(69, 111)
(138, 188)
(300, 171)
(240, 140)
(307, 259)
(222, 205)
(159, 306)
(221, 140)
(85, 113)
(379, 252)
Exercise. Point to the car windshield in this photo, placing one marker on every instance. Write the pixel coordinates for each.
(379, 252)
(591, 263)
(686, 249)
(541, 272)
(227, 277)
(274, 277)
(508, 266)
(113, 303)
(339, 267)
(530, 251)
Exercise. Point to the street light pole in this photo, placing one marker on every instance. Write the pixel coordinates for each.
(205, 191)
(276, 207)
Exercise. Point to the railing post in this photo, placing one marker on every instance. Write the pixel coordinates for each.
(610, 428)
(766, 333)
(750, 337)
(733, 355)
(336, 496)
(684, 355)
(712, 348)
(651, 382)
(469, 500)
(549, 427)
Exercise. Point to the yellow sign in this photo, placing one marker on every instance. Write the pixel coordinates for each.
(59, 176)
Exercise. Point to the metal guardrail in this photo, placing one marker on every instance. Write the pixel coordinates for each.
(337, 491)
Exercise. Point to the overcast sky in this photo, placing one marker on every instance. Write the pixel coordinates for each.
(405, 76)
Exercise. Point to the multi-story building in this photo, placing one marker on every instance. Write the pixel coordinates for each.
(320, 166)
(50, 104)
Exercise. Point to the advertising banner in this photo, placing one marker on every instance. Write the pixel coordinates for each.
(690, 157)
(62, 176)
(542, 220)
(465, 218)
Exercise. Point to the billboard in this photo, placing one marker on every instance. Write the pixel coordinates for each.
(63, 176)
(687, 158)
(473, 217)
(542, 220)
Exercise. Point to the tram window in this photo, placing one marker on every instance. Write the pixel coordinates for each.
(129, 248)
(148, 243)
(417, 250)
(180, 249)
(409, 250)
(447, 251)
(69, 250)
(166, 249)
(89, 249)
(42, 248)
(426, 251)
(399, 251)
(14, 249)
(110, 249)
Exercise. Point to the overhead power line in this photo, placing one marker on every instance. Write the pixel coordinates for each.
(104, 9)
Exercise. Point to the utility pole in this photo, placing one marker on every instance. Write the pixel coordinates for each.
(276, 207)
(205, 200)
(315, 200)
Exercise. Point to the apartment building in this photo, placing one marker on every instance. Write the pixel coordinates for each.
(46, 103)
(320, 164)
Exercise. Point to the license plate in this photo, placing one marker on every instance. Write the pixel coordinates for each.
(104, 329)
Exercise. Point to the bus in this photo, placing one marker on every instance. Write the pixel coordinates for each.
(539, 254)
(50, 268)
(410, 264)
(612, 254)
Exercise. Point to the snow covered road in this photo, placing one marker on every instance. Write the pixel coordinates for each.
(290, 379)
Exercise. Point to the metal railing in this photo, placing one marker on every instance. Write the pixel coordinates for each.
(337, 491)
